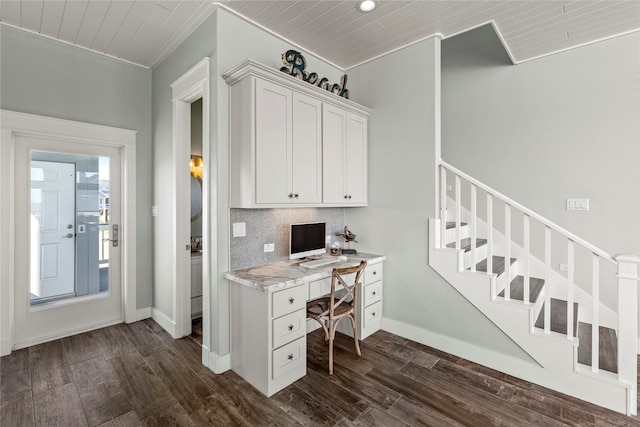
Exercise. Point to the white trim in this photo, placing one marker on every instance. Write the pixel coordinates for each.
(192, 85)
(579, 46)
(135, 64)
(216, 363)
(164, 321)
(67, 333)
(143, 313)
(16, 123)
(179, 36)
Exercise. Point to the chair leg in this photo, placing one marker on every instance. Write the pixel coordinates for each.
(355, 335)
(332, 334)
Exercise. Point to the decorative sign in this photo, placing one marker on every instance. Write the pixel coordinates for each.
(295, 64)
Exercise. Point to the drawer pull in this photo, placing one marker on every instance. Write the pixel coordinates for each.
(375, 272)
(290, 356)
(373, 293)
(291, 300)
(290, 328)
(373, 314)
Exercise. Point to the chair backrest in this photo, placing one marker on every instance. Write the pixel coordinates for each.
(350, 289)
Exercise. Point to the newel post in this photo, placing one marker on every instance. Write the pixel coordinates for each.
(628, 325)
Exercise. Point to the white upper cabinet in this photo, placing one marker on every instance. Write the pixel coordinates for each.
(344, 157)
(293, 144)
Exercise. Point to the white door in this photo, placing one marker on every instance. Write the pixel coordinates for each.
(67, 250)
(52, 223)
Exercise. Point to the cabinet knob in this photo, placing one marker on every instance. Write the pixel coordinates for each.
(373, 314)
(290, 195)
(373, 293)
(349, 197)
(290, 328)
(295, 196)
(346, 197)
(290, 356)
(375, 272)
(291, 300)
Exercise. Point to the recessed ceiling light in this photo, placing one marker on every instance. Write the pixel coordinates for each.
(367, 5)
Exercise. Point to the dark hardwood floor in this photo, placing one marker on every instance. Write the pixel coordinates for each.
(129, 375)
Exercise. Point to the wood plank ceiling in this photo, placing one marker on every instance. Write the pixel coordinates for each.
(144, 32)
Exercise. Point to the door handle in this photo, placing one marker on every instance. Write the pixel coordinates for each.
(68, 236)
(114, 241)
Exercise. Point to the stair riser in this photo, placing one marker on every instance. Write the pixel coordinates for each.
(450, 234)
(481, 253)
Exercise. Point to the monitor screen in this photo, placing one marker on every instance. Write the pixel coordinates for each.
(307, 240)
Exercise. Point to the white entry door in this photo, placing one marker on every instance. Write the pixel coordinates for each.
(52, 223)
(68, 258)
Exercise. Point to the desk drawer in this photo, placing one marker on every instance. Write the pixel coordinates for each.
(290, 357)
(372, 315)
(372, 293)
(289, 327)
(373, 273)
(288, 300)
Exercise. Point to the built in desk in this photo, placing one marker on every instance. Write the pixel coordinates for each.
(268, 316)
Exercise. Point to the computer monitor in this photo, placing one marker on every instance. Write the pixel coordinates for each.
(307, 240)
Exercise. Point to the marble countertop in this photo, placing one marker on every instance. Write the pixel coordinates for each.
(286, 274)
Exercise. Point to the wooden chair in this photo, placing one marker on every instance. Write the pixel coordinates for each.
(329, 311)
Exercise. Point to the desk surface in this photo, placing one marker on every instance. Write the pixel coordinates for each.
(286, 274)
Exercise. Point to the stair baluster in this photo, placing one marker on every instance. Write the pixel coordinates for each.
(547, 294)
(595, 323)
(473, 224)
(458, 212)
(527, 262)
(570, 288)
(507, 253)
(489, 233)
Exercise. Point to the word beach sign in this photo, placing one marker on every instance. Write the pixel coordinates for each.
(295, 64)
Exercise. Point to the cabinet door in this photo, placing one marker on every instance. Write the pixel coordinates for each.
(306, 153)
(334, 131)
(356, 159)
(273, 142)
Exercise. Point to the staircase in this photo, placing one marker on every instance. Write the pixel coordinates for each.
(569, 305)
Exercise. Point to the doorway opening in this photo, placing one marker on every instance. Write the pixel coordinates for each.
(196, 172)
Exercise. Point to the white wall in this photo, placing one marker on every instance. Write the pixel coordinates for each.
(403, 91)
(563, 126)
(566, 125)
(49, 78)
(227, 40)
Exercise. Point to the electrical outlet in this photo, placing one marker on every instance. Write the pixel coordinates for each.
(269, 247)
(239, 229)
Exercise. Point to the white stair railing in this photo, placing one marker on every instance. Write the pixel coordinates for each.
(626, 267)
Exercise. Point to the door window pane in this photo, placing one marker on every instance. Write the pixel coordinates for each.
(69, 226)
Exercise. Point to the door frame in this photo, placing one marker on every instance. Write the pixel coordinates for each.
(15, 123)
(191, 86)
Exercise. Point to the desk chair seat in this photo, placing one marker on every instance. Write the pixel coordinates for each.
(341, 303)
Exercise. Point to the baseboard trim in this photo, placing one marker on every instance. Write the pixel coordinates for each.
(5, 347)
(527, 370)
(52, 337)
(164, 321)
(216, 363)
(143, 313)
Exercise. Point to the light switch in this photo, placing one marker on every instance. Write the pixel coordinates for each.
(239, 229)
(577, 204)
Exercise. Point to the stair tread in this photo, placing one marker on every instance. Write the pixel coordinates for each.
(517, 288)
(452, 224)
(498, 264)
(608, 354)
(465, 244)
(559, 317)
